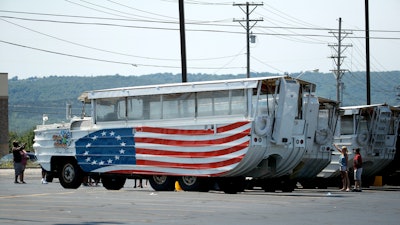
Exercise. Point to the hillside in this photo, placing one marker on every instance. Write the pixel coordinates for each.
(30, 98)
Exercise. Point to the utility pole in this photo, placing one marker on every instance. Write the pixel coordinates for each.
(247, 26)
(398, 94)
(183, 40)
(367, 53)
(338, 59)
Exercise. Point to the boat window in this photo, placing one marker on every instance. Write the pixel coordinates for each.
(110, 109)
(323, 118)
(212, 103)
(392, 123)
(347, 126)
(219, 103)
(172, 106)
(267, 97)
(238, 102)
(180, 105)
(144, 107)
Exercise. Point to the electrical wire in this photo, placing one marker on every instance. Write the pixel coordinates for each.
(113, 52)
(111, 61)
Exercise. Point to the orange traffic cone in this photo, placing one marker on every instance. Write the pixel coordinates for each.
(177, 186)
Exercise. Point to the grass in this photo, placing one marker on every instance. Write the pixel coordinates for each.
(10, 165)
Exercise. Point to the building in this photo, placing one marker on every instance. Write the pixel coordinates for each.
(3, 114)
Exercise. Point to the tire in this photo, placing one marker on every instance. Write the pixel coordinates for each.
(113, 182)
(288, 187)
(191, 183)
(269, 187)
(162, 183)
(70, 175)
(262, 126)
(363, 138)
(232, 185)
(323, 136)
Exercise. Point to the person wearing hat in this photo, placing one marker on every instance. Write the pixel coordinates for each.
(17, 158)
(343, 159)
(357, 165)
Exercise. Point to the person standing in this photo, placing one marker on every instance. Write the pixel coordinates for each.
(17, 159)
(140, 183)
(343, 159)
(357, 165)
(44, 179)
(24, 161)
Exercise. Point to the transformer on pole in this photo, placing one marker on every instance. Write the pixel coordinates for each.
(247, 27)
(338, 59)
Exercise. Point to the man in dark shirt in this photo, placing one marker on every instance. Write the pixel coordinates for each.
(16, 150)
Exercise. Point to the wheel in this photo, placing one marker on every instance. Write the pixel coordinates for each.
(269, 187)
(162, 183)
(232, 185)
(190, 183)
(113, 182)
(287, 185)
(70, 175)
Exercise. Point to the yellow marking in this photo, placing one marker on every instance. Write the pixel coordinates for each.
(35, 195)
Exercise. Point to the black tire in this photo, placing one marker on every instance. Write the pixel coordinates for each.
(191, 183)
(162, 183)
(232, 185)
(113, 182)
(70, 175)
(269, 187)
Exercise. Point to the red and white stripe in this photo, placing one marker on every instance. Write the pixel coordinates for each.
(203, 152)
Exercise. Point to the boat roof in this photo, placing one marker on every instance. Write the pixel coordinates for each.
(361, 106)
(186, 87)
(355, 109)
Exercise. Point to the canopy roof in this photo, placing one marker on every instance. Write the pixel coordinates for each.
(188, 87)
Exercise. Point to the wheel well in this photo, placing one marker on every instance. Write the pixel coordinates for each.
(57, 162)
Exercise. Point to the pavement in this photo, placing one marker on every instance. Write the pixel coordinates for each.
(36, 203)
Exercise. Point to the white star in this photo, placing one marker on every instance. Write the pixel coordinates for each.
(103, 133)
(88, 145)
(122, 151)
(88, 159)
(86, 153)
(101, 163)
(123, 144)
(109, 161)
(116, 157)
(94, 138)
(94, 162)
(112, 133)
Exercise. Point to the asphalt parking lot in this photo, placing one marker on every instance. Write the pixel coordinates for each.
(36, 203)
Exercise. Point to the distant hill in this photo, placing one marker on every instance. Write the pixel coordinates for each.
(30, 98)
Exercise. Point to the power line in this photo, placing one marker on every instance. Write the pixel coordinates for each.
(176, 22)
(111, 61)
(113, 52)
(194, 30)
(69, 55)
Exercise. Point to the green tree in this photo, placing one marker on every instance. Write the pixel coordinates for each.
(27, 138)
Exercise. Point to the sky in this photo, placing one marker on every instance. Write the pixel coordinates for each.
(138, 37)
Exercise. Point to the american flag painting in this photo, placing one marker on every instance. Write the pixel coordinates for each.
(169, 151)
(106, 148)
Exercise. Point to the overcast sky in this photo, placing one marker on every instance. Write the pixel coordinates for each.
(129, 37)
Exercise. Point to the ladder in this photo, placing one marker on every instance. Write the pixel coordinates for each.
(379, 129)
